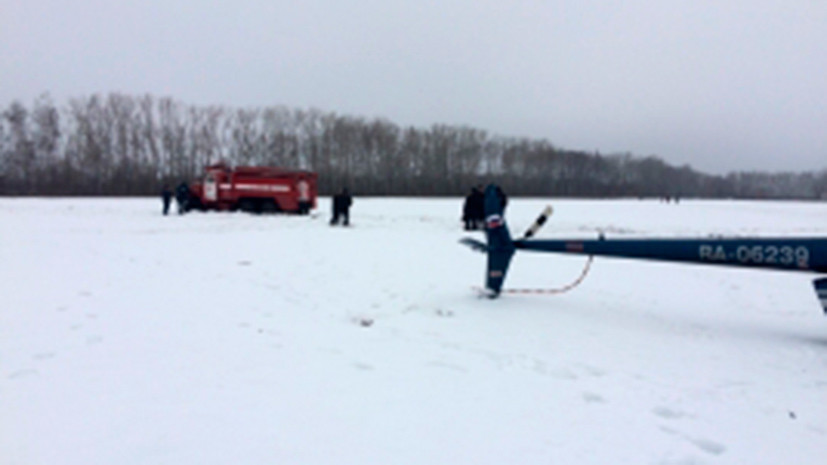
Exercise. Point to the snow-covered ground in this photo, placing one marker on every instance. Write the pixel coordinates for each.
(127, 337)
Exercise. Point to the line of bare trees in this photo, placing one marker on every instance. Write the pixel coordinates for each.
(127, 145)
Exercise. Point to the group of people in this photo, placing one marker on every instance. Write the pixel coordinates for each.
(473, 210)
(182, 197)
(341, 202)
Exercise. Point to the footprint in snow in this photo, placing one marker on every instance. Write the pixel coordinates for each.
(44, 356)
(667, 413)
(444, 313)
(363, 366)
(706, 445)
(19, 374)
(592, 398)
(562, 373)
(710, 447)
(447, 366)
(363, 321)
(594, 371)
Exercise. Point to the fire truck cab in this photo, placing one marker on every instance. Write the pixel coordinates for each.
(258, 189)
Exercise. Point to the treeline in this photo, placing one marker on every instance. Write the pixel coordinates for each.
(127, 145)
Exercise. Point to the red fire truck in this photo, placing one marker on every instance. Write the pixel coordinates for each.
(258, 189)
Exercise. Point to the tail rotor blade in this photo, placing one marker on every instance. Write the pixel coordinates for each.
(538, 223)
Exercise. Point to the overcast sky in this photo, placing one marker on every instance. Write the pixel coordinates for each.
(721, 84)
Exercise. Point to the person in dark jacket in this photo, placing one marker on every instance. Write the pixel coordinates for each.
(473, 211)
(466, 211)
(166, 197)
(182, 197)
(503, 198)
(341, 208)
(478, 207)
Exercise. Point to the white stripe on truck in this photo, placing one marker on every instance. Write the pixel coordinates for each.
(258, 187)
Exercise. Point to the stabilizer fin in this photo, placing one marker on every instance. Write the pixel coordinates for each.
(475, 245)
(821, 291)
(500, 246)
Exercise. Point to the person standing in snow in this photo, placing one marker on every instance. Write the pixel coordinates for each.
(473, 211)
(304, 197)
(466, 210)
(341, 207)
(166, 198)
(182, 196)
(478, 207)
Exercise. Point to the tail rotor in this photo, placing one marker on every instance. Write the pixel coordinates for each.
(538, 223)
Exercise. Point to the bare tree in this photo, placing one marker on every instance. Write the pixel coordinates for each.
(21, 157)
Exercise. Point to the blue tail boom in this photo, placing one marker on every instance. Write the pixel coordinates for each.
(807, 254)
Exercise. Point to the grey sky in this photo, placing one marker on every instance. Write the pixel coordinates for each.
(720, 84)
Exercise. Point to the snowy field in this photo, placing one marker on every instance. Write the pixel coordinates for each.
(127, 338)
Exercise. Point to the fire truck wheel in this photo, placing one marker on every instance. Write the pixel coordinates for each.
(268, 206)
(195, 204)
(246, 205)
